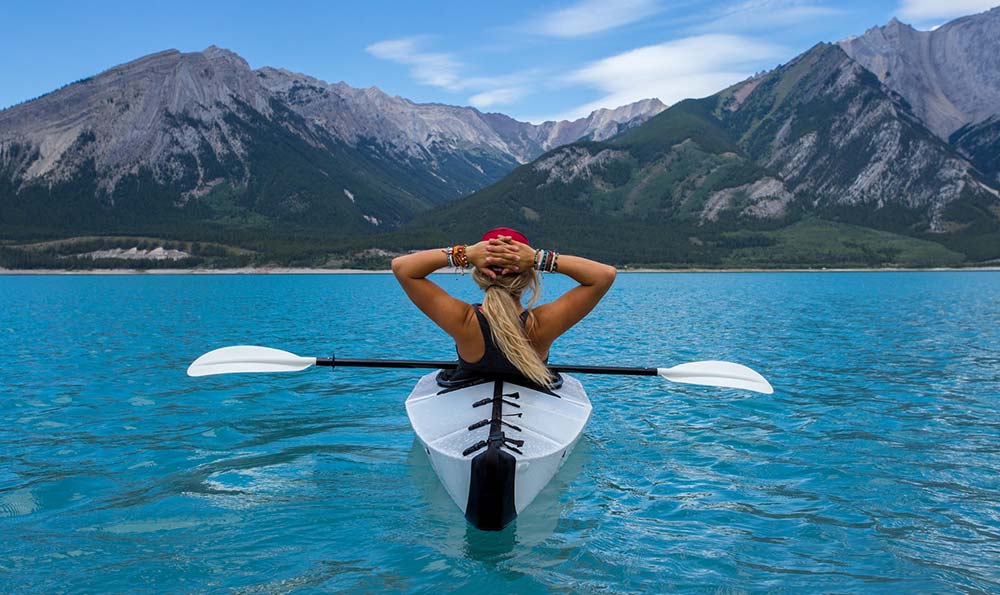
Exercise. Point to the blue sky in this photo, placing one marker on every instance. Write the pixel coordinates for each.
(531, 60)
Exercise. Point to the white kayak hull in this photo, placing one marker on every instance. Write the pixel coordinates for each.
(496, 443)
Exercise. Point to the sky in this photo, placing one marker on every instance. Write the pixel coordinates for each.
(533, 60)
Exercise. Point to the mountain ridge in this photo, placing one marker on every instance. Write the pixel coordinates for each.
(184, 126)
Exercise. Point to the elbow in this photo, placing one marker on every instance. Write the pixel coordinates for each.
(397, 266)
(608, 275)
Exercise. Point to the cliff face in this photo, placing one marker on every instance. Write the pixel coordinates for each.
(212, 138)
(839, 140)
(127, 115)
(950, 76)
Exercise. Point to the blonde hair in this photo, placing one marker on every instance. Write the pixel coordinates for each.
(500, 306)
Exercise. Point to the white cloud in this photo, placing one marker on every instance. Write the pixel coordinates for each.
(440, 69)
(592, 16)
(922, 10)
(429, 68)
(690, 67)
(502, 96)
(766, 14)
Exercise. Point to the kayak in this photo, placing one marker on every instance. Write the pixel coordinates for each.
(496, 442)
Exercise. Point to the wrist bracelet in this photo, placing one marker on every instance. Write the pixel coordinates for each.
(546, 260)
(461, 258)
(457, 257)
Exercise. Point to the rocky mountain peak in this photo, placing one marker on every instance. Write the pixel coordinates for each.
(122, 113)
(895, 25)
(949, 75)
(222, 56)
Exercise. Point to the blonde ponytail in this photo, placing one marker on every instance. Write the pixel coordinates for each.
(501, 311)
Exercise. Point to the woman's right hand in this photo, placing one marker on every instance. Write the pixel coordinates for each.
(521, 257)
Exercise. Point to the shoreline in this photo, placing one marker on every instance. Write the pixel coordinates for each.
(309, 271)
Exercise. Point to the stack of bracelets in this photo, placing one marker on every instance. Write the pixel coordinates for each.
(545, 260)
(457, 257)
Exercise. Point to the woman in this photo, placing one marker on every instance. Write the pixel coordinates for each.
(501, 335)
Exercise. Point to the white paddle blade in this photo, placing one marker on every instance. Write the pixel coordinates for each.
(715, 373)
(248, 358)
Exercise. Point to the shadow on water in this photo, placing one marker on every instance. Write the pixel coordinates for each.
(455, 537)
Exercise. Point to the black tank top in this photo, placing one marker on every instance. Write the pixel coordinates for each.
(493, 361)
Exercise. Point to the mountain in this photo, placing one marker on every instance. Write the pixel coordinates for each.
(819, 137)
(188, 138)
(836, 137)
(174, 138)
(441, 136)
(950, 76)
(420, 131)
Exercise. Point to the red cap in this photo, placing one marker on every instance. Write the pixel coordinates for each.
(505, 231)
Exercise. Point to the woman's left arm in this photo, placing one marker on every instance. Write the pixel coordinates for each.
(446, 311)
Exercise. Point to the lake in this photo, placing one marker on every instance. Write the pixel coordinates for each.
(873, 468)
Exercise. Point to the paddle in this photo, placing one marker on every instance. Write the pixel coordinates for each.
(250, 358)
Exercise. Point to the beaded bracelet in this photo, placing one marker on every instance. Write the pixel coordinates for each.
(461, 258)
(449, 255)
(456, 257)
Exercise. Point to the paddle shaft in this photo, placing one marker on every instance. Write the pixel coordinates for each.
(441, 365)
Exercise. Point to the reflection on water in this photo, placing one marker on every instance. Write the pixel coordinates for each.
(534, 525)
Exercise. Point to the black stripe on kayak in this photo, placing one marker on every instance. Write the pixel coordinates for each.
(491, 487)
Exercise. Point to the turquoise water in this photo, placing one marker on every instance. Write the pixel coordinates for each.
(874, 468)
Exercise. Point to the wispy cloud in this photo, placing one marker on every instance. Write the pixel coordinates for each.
(437, 69)
(494, 97)
(725, 47)
(690, 67)
(592, 16)
(923, 10)
(748, 15)
(443, 70)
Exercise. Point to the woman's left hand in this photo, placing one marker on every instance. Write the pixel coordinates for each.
(482, 258)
